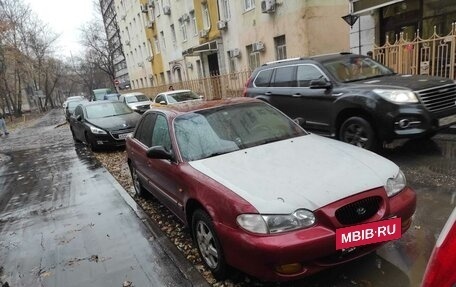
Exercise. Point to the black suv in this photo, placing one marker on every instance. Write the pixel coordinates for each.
(354, 98)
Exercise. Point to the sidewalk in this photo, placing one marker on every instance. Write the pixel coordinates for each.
(65, 221)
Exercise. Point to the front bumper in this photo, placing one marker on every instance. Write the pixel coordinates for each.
(313, 248)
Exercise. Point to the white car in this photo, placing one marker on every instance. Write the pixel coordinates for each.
(138, 102)
(177, 96)
(74, 98)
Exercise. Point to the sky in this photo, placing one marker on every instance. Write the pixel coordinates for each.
(64, 18)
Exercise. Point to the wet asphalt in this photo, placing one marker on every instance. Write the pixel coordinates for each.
(65, 221)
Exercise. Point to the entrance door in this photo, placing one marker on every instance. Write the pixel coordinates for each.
(213, 64)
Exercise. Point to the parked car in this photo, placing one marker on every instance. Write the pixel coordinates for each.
(355, 99)
(73, 98)
(257, 191)
(175, 96)
(440, 270)
(103, 124)
(71, 106)
(111, 97)
(98, 94)
(136, 101)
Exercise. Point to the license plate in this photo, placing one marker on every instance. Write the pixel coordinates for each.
(368, 233)
(124, 136)
(447, 120)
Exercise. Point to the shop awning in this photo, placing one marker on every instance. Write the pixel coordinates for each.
(364, 6)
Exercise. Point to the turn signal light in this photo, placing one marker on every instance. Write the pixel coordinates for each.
(289, 269)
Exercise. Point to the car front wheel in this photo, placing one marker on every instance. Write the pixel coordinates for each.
(208, 244)
(359, 132)
(139, 189)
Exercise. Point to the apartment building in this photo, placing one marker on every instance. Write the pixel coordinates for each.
(180, 40)
(112, 32)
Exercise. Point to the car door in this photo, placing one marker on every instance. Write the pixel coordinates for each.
(165, 175)
(314, 103)
(77, 125)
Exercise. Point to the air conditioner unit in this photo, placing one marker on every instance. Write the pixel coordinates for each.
(166, 10)
(222, 25)
(185, 17)
(189, 65)
(150, 76)
(150, 24)
(127, 42)
(123, 16)
(150, 58)
(144, 8)
(234, 53)
(203, 33)
(268, 6)
(151, 3)
(141, 64)
(258, 46)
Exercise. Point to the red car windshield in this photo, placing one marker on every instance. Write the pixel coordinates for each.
(225, 129)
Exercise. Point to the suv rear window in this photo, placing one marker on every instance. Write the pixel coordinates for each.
(263, 78)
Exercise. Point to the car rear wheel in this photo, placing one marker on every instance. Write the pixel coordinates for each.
(139, 189)
(208, 244)
(359, 132)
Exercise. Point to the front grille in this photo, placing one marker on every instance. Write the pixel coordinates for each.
(115, 134)
(358, 211)
(439, 98)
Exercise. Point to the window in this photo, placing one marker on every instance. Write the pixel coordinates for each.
(144, 130)
(162, 40)
(157, 44)
(285, 77)
(249, 4)
(280, 47)
(226, 9)
(194, 26)
(173, 34)
(206, 18)
(157, 8)
(263, 78)
(160, 135)
(307, 73)
(183, 28)
(254, 57)
(232, 63)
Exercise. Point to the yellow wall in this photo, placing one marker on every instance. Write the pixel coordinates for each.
(214, 17)
(157, 61)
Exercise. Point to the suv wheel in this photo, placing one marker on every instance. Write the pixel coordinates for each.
(359, 132)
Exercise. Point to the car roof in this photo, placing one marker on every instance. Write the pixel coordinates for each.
(132, 94)
(180, 108)
(99, 102)
(317, 58)
(173, 92)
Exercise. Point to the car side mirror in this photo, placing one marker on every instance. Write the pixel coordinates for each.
(321, 83)
(162, 103)
(159, 152)
(78, 118)
(300, 121)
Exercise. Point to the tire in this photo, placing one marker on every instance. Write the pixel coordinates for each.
(74, 137)
(91, 143)
(359, 132)
(139, 189)
(208, 244)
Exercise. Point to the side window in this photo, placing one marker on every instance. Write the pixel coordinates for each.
(307, 73)
(78, 112)
(285, 77)
(159, 99)
(263, 78)
(144, 131)
(160, 135)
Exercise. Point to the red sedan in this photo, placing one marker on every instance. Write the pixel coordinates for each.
(258, 192)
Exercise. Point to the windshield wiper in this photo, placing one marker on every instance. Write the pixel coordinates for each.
(218, 153)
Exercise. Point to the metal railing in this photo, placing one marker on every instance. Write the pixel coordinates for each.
(212, 88)
(435, 56)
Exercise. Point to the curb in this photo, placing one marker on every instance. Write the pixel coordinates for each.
(186, 268)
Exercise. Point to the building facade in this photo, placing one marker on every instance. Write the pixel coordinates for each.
(110, 22)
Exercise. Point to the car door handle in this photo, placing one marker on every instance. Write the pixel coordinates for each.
(296, 95)
(267, 93)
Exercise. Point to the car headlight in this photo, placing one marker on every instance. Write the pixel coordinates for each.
(97, 131)
(395, 185)
(397, 96)
(264, 224)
